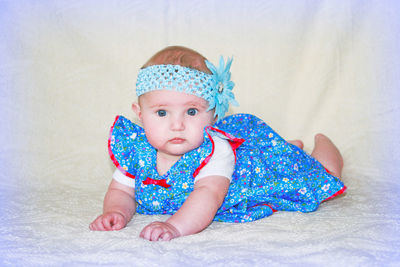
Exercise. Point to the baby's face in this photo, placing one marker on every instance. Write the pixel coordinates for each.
(174, 121)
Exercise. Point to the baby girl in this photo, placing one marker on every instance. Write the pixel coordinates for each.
(191, 162)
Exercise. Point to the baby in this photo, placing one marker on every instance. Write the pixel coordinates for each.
(193, 163)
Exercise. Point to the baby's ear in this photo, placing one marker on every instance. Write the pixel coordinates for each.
(136, 109)
(215, 119)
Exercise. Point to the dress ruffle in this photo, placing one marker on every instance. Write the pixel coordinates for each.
(124, 135)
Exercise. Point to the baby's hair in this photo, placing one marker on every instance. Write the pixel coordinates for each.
(179, 55)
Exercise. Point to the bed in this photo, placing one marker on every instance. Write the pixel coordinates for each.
(68, 67)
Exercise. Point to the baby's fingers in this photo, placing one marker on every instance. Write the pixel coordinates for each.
(151, 232)
(118, 223)
(113, 221)
(156, 233)
(147, 232)
(159, 231)
(166, 236)
(144, 233)
(97, 225)
(106, 222)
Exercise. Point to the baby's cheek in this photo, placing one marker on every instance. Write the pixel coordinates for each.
(154, 137)
(199, 141)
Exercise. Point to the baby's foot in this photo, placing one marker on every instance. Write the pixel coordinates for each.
(327, 154)
(297, 143)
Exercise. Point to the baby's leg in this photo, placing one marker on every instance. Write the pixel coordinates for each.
(328, 155)
(297, 143)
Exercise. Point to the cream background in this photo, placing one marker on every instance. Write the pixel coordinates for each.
(68, 67)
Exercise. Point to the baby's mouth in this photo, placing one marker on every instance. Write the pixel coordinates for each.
(177, 140)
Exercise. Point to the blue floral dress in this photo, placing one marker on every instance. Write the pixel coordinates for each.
(270, 174)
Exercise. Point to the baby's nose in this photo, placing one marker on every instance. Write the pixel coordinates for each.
(178, 124)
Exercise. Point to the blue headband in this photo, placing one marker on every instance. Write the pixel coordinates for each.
(216, 88)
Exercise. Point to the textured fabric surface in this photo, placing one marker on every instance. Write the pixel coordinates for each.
(67, 67)
(176, 78)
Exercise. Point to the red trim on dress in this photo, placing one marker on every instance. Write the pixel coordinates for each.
(114, 160)
(206, 160)
(341, 191)
(265, 204)
(233, 142)
(161, 182)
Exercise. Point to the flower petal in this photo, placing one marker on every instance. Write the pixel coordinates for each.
(223, 95)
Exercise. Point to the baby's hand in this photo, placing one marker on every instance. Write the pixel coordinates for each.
(159, 231)
(108, 222)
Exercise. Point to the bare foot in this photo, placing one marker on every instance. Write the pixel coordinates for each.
(297, 143)
(327, 154)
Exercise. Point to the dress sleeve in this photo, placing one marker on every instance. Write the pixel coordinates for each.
(123, 179)
(222, 162)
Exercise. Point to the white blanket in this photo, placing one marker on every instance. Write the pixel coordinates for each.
(68, 67)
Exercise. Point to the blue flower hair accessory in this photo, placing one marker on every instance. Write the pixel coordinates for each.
(223, 87)
(216, 88)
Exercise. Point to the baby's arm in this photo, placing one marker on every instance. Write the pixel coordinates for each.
(118, 208)
(196, 213)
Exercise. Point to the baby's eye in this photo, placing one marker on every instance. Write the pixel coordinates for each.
(161, 113)
(192, 111)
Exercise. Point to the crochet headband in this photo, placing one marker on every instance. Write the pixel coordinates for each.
(216, 88)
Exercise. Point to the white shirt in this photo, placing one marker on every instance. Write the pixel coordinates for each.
(222, 163)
